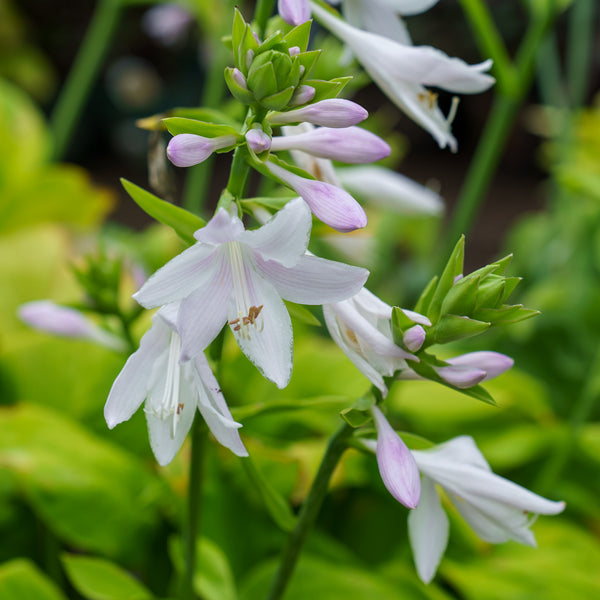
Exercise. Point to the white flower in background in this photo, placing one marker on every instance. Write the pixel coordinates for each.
(167, 23)
(172, 391)
(240, 277)
(45, 315)
(497, 509)
(469, 369)
(361, 327)
(402, 71)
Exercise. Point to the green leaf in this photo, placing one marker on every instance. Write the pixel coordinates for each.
(273, 203)
(453, 268)
(21, 580)
(308, 61)
(99, 579)
(424, 301)
(240, 93)
(279, 100)
(237, 35)
(275, 504)
(327, 89)
(183, 222)
(303, 314)
(177, 125)
(400, 323)
(213, 578)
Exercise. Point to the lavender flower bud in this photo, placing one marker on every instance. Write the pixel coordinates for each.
(294, 12)
(258, 141)
(187, 149)
(413, 338)
(302, 95)
(333, 112)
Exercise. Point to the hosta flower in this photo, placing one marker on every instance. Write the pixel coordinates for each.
(188, 149)
(497, 509)
(240, 277)
(172, 391)
(397, 466)
(402, 71)
(361, 327)
(469, 369)
(332, 112)
(294, 12)
(64, 321)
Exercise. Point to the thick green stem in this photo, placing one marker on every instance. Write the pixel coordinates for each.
(495, 134)
(194, 507)
(83, 74)
(309, 511)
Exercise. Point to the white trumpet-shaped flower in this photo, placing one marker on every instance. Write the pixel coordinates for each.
(172, 391)
(497, 509)
(239, 277)
(402, 70)
(361, 327)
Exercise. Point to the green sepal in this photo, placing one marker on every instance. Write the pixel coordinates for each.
(308, 60)
(426, 370)
(262, 80)
(400, 323)
(490, 291)
(460, 299)
(301, 313)
(279, 100)
(453, 327)
(275, 504)
(298, 36)
(359, 414)
(422, 305)
(510, 284)
(238, 33)
(502, 264)
(178, 125)
(453, 268)
(505, 317)
(263, 170)
(244, 95)
(327, 89)
(275, 42)
(209, 115)
(248, 43)
(183, 222)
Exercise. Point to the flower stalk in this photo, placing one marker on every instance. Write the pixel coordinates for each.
(309, 511)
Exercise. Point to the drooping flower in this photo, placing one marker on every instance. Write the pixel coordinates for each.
(172, 391)
(497, 509)
(329, 203)
(402, 70)
(240, 277)
(469, 369)
(397, 466)
(64, 321)
(361, 327)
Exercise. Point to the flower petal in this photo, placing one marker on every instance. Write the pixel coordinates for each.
(164, 444)
(179, 277)
(285, 237)
(220, 229)
(204, 312)
(264, 337)
(214, 409)
(294, 12)
(493, 363)
(397, 466)
(131, 385)
(428, 529)
(313, 280)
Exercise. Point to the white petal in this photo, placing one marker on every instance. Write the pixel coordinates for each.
(368, 302)
(386, 188)
(220, 229)
(314, 280)
(428, 529)
(378, 16)
(357, 359)
(215, 411)
(164, 445)
(131, 385)
(178, 278)
(204, 312)
(285, 237)
(411, 7)
(459, 450)
(265, 337)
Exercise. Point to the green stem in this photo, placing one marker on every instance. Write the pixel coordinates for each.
(582, 409)
(490, 43)
(83, 74)
(496, 131)
(309, 511)
(579, 49)
(194, 507)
